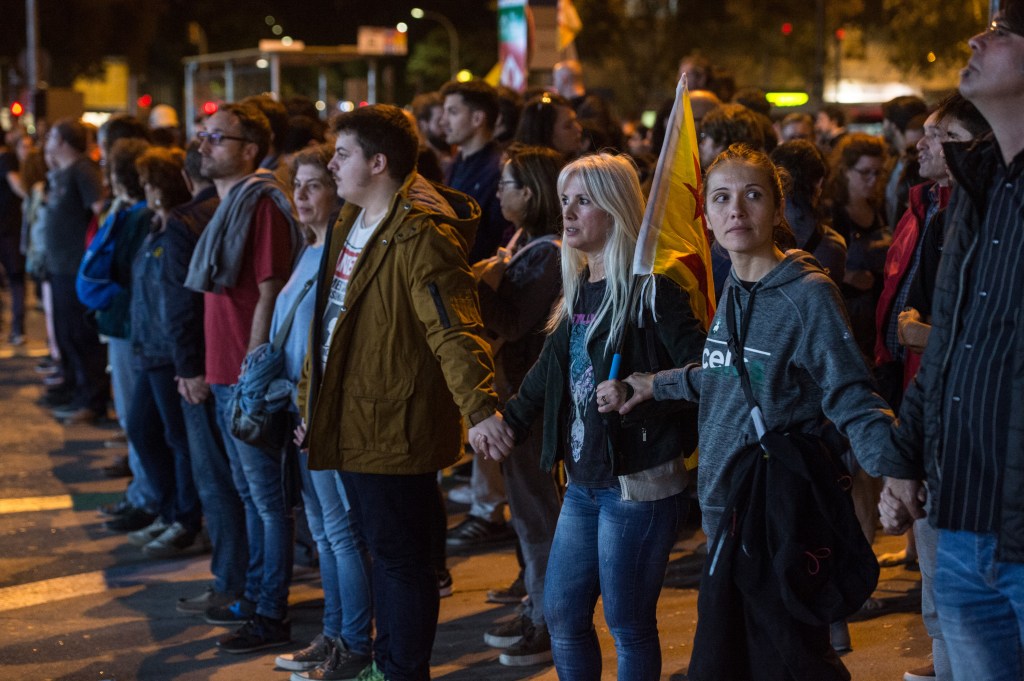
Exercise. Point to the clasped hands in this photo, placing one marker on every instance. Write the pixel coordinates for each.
(494, 438)
(622, 396)
(901, 503)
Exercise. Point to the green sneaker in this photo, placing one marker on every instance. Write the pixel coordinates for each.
(371, 673)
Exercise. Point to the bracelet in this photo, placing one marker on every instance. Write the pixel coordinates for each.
(629, 391)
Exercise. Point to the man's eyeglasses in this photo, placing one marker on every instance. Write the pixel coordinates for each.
(502, 184)
(998, 26)
(217, 138)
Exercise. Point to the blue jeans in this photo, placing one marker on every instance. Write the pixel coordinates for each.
(981, 607)
(618, 550)
(927, 540)
(395, 513)
(211, 471)
(344, 560)
(142, 492)
(269, 525)
(164, 452)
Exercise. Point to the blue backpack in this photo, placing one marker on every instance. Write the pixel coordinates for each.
(95, 284)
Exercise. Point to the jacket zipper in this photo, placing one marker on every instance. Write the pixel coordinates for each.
(442, 313)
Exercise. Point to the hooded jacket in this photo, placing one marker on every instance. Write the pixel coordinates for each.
(804, 366)
(906, 241)
(406, 357)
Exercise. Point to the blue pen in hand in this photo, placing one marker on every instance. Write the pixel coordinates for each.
(613, 373)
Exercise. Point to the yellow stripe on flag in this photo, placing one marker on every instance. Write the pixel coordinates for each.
(673, 238)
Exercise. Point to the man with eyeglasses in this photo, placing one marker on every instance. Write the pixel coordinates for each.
(961, 416)
(240, 263)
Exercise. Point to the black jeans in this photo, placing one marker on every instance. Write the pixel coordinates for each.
(395, 513)
(83, 358)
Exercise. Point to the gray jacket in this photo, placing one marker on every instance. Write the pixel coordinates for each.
(804, 367)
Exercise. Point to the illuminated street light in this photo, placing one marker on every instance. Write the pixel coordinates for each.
(453, 35)
(402, 27)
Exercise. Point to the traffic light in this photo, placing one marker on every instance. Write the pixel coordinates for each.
(17, 109)
(787, 28)
(210, 108)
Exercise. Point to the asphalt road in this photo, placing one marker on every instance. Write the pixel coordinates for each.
(78, 603)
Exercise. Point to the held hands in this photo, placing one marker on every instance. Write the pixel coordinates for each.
(911, 331)
(623, 396)
(492, 437)
(902, 503)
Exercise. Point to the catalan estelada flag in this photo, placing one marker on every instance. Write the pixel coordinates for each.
(673, 237)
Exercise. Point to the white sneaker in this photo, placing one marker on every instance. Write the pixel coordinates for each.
(148, 533)
(171, 542)
(462, 494)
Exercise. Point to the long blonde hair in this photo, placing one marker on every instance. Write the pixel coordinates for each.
(612, 184)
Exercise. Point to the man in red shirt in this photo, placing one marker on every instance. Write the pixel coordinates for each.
(241, 262)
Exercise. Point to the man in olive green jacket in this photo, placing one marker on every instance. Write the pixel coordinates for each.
(395, 363)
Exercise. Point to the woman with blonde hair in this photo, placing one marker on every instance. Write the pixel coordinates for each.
(625, 475)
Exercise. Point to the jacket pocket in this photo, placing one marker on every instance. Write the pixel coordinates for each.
(375, 414)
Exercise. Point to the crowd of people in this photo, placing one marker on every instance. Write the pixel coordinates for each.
(304, 323)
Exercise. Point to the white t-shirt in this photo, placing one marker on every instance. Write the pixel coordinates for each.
(358, 237)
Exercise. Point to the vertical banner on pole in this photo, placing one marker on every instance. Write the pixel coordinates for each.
(513, 43)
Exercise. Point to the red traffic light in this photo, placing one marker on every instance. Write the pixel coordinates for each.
(787, 28)
(145, 101)
(17, 109)
(210, 108)
(840, 34)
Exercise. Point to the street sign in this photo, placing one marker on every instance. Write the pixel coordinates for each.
(381, 41)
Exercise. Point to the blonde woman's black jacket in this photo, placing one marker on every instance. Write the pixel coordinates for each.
(653, 433)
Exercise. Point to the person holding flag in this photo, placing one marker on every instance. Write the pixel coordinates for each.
(625, 475)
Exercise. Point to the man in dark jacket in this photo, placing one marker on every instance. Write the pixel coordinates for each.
(211, 470)
(961, 416)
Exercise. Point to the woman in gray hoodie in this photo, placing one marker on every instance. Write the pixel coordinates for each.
(804, 365)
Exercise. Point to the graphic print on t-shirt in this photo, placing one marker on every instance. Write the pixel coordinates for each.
(581, 381)
(357, 239)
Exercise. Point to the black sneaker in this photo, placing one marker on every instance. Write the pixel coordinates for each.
(235, 613)
(474, 531)
(132, 520)
(445, 584)
(309, 657)
(515, 593)
(341, 665)
(508, 633)
(47, 365)
(210, 598)
(258, 633)
(533, 648)
(116, 509)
